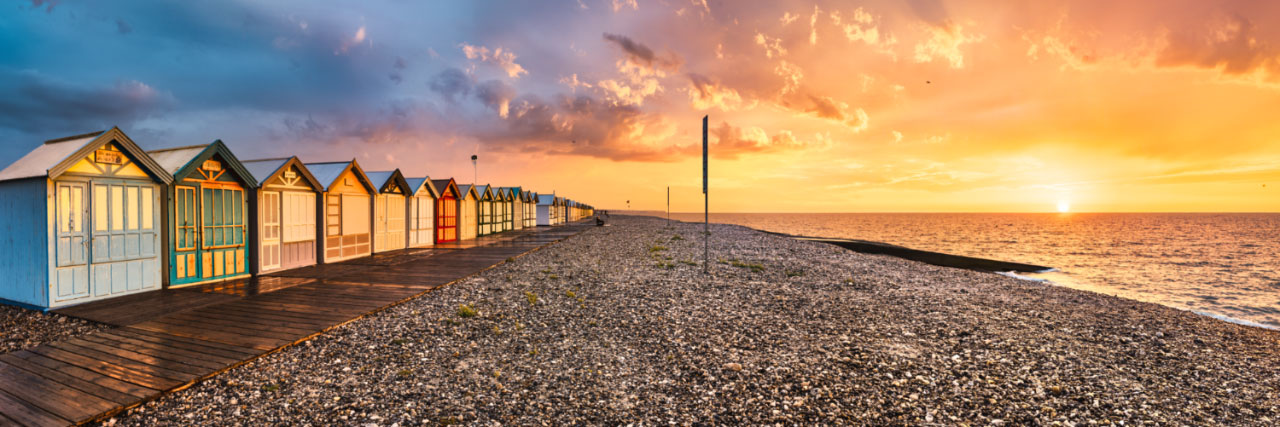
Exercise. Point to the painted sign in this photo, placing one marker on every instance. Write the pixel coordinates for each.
(289, 174)
(108, 157)
(212, 165)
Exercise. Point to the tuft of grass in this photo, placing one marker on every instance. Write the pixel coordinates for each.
(570, 294)
(404, 373)
(399, 341)
(532, 297)
(466, 310)
(591, 323)
(794, 273)
(546, 271)
(755, 268)
(666, 265)
(657, 248)
(676, 237)
(497, 330)
(689, 263)
(553, 277)
(271, 387)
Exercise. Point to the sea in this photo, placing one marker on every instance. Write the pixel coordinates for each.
(1223, 265)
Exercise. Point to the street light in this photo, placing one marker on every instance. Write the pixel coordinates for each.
(474, 174)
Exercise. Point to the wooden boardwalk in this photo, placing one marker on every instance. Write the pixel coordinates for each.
(167, 340)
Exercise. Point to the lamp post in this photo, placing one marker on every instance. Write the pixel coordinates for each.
(474, 175)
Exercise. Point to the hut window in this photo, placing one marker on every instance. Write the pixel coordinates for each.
(355, 214)
(148, 220)
(117, 208)
(131, 207)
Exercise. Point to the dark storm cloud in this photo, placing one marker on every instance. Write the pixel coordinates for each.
(35, 103)
(451, 83)
(641, 54)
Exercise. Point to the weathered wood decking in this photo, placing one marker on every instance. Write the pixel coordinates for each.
(167, 340)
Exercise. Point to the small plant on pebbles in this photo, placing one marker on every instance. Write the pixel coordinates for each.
(404, 373)
(570, 294)
(676, 237)
(466, 310)
(657, 248)
(532, 297)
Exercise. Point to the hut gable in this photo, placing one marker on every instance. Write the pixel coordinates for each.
(209, 162)
(286, 173)
(424, 186)
(342, 177)
(104, 153)
(389, 182)
(446, 187)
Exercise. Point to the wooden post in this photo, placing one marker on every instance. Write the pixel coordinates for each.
(668, 206)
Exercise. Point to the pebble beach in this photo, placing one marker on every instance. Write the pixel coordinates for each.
(619, 325)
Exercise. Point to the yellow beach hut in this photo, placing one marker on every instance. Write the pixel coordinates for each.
(468, 212)
(389, 210)
(422, 211)
(346, 210)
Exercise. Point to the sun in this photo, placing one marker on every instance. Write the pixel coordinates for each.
(1064, 206)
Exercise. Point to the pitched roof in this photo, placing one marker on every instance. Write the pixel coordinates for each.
(328, 172)
(181, 161)
(418, 184)
(263, 169)
(56, 155)
(546, 199)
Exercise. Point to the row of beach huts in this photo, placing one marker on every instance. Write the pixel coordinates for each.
(93, 216)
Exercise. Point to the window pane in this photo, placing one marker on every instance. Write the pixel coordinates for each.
(208, 206)
(117, 207)
(64, 210)
(148, 221)
(131, 208)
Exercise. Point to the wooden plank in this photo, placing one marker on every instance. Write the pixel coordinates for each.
(137, 361)
(127, 388)
(256, 343)
(118, 372)
(201, 345)
(242, 322)
(281, 313)
(27, 414)
(57, 399)
(192, 358)
(232, 327)
(261, 317)
(105, 393)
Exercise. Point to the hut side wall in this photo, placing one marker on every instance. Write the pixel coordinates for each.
(25, 234)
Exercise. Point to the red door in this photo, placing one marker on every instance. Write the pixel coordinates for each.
(446, 219)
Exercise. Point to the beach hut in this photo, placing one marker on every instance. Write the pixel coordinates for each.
(507, 205)
(421, 200)
(208, 213)
(560, 211)
(346, 210)
(389, 210)
(468, 212)
(546, 210)
(485, 196)
(446, 210)
(530, 214)
(517, 208)
(282, 215)
(82, 221)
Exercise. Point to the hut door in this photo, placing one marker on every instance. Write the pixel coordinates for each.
(421, 220)
(73, 241)
(270, 230)
(186, 232)
(222, 231)
(446, 220)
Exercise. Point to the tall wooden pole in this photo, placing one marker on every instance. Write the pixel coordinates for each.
(668, 206)
(706, 204)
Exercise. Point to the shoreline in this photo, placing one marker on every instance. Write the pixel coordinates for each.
(1021, 271)
(619, 324)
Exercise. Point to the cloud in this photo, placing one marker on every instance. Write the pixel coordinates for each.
(504, 59)
(791, 76)
(630, 93)
(813, 25)
(828, 108)
(348, 43)
(788, 18)
(705, 93)
(573, 83)
(642, 55)
(35, 103)
(944, 42)
(451, 83)
(1230, 44)
(772, 45)
(897, 136)
(731, 142)
(396, 68)
(619, 4)
(585, 126)
(862, 27)
(497, 95)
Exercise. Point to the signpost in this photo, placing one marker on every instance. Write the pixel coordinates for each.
(706, 204)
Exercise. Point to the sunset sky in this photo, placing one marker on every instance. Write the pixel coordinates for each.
(821, 106)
